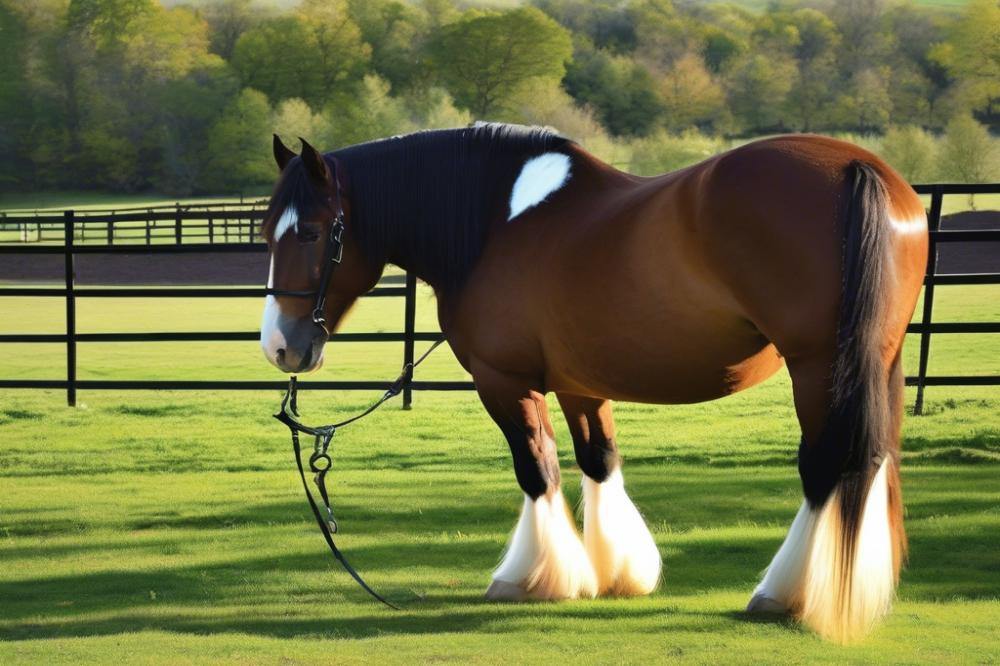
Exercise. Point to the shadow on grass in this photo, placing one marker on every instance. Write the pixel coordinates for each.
(296, 591)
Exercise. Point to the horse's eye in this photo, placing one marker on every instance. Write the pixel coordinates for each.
(307, 233)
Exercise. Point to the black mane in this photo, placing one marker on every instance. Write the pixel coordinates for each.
(427, 198)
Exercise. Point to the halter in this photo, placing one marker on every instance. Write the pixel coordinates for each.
(332, 255)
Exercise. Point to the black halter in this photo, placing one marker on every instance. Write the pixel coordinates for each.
(332, 255)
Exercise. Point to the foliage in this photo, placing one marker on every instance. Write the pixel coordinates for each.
(663, 152)
(484, 59)
(239, 144)
(126, 95)
(372, 113)
(968, 153)
(912, 151)
(621, 91)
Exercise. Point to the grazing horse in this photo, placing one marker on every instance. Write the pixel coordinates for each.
(555, 272)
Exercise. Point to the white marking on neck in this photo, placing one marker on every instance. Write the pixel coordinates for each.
(540, 176)
(288, 220)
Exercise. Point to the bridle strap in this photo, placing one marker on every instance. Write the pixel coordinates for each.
(320, 461)
(332, 256)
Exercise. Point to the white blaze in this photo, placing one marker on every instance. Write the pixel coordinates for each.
(540, 176)
(271, 337)
(287, 221)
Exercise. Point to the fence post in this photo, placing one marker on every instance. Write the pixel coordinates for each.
(409, 329)
(933, 223)
(70, 309)
(177, 225)
(111, 229)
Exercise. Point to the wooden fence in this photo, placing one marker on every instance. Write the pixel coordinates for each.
(229, 228)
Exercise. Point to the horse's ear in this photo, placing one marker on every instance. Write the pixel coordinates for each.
(282, 154)
(316, 166)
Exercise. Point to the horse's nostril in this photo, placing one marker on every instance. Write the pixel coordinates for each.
(279, 355)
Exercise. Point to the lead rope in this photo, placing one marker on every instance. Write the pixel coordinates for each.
(320, 462)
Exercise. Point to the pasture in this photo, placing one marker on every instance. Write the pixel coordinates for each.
(155, 527)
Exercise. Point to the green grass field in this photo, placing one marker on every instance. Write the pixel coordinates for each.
(169, 527)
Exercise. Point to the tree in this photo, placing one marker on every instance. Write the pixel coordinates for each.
(608, 24)
(485, 58)
(911, 151)
(396, 33)
(664, 34)
(758, 87)
(311, 55)
(293, 118)
(371, 113)
(968, 153)
(621, 91)
(14, 121)
(972, 55)
(228, 20)
(868, 105)
(239, 145)
(690, 94)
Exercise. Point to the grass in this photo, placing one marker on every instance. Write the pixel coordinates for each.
(154, 527)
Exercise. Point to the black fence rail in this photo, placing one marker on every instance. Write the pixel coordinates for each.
(214, 223)
(185, 237)
(229, 228)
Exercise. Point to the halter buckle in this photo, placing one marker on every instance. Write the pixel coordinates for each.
(336, 238)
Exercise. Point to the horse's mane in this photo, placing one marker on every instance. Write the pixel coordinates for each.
(428, 196)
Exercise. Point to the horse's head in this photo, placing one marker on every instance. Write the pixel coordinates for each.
(301, 228)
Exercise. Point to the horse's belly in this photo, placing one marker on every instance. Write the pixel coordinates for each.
(673, 369)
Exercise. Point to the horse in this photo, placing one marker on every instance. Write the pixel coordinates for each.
(556, 273)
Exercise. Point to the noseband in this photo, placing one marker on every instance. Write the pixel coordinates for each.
(332, 255)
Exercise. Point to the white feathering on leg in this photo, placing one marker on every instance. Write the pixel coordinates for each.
(620, 546)
(783, 577)
(545, 558)
(806, 575)
(869, 592)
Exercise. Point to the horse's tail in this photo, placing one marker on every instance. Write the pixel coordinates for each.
(851, 475)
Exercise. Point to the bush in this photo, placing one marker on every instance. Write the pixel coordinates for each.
(663, 152)
(911, 151)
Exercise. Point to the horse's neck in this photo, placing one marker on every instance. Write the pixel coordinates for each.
(589, 178)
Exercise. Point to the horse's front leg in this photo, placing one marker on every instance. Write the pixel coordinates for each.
(545, 558)
(622, 550)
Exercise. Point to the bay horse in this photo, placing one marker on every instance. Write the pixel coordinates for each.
(555, 272)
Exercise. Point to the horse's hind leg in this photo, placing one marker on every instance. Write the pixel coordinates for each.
(836, 570)
(545, 558)
(619, 544)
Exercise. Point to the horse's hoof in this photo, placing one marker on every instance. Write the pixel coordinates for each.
(501, 590)
(761, 604)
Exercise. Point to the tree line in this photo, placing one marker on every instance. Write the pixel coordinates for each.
(133, 95)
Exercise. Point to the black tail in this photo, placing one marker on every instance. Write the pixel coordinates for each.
(860, 430)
